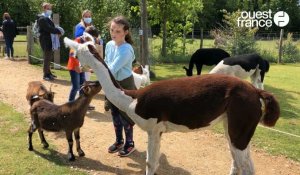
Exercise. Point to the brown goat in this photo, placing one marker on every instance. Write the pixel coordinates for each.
(68, 117)
(37, 91)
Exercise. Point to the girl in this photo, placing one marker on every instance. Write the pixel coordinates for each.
(119, 56)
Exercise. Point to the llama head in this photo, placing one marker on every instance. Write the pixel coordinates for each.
(188, 71)
(91, 88)
(82, 50)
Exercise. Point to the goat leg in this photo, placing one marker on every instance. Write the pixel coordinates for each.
(30, 132)
(71, 156)
(42, 137)
(77, 139)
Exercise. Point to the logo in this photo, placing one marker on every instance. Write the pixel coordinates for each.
(262, 19)
(281, 19)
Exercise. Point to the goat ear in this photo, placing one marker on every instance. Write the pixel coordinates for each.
(88, 89)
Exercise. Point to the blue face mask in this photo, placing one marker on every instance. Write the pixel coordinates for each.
(87, 20)
(48, 12)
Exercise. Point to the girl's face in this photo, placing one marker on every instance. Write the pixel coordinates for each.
(117, 33)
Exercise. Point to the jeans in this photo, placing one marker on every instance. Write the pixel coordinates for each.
(77, 79)
(9, 46)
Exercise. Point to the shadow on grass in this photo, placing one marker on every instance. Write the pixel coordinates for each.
(95, 165)
(288, 111)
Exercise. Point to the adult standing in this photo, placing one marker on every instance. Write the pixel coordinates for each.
(119, 56)
(86, 20)
(9, 30)
(46, 28)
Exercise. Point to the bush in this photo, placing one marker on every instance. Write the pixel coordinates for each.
(269, 56)
(237, 40)
(290, 52)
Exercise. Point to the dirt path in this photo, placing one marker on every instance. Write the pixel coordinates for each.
(201, 152)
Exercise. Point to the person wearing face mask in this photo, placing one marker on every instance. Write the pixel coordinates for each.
(86, 20)
(46, 28)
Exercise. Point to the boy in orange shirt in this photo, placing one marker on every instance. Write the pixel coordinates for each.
(76, 72)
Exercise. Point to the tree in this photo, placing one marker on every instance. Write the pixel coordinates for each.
(169, 13)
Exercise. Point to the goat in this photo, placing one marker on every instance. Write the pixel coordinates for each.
(68, 117)
(206, 56)
(141, 76)
(186, 104)
(37, 91)
(244, 66)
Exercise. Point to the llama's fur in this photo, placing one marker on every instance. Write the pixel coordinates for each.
(205, 56)
(188, 103)
(244, 66)
(68, 117)
(142, 79)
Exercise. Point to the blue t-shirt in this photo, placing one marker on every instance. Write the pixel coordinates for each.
(119, 59)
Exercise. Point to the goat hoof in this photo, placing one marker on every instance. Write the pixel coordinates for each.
(30, 148)
(81, 153)
(45, 145)
(71, 157)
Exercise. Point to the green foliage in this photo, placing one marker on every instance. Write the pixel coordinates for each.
(290, 52)
(236, 39)
(176, 20)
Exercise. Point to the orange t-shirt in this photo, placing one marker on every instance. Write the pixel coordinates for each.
(73, 61)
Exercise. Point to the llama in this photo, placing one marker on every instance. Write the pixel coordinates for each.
(68, 117)
(186, 104)
(244, 66)
(141, 76)
(37, 91)
(206, 56)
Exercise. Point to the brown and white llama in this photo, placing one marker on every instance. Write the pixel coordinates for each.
(186, 104)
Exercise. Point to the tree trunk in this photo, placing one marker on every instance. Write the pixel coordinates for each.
(144, 25)
(164, 41)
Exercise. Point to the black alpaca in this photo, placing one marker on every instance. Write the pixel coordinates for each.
(207, 56)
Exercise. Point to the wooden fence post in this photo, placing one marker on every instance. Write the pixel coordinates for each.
(56, 52)
(280, 46)
(30, 43)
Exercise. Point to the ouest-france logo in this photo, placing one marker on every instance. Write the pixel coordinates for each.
(262, 19)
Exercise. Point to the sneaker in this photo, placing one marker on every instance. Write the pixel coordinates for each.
(48, 78)
(127, 150)
(91, 107)
(6, 58)
(54, 76)
(115, 147)
(12, 58)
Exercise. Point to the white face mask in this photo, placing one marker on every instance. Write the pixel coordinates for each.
(87, 20)
(48, 12)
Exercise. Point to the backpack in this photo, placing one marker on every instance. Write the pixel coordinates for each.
(36, 29)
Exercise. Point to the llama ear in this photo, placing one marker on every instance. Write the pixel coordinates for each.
(70, 43)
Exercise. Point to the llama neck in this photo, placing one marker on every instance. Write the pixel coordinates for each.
(114, 94)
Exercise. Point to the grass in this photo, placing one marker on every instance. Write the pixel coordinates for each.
(16, 159)
(283, 82)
